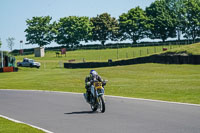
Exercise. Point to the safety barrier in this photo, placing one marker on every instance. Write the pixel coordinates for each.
(164, 59)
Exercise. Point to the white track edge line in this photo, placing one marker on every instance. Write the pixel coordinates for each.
(151, 100)
(121, 97)
(16, 121)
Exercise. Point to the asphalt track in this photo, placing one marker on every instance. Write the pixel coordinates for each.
(69, 113)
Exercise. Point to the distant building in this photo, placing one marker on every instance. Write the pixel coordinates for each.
(39, 52)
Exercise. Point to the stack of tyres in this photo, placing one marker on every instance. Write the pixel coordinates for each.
(8, 69)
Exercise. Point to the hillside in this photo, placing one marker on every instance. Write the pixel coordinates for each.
(193, 49)
(101, 55)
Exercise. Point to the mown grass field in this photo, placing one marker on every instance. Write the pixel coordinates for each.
(178, 83)
(7, 126)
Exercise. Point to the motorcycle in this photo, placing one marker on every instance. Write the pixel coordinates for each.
(97, 100)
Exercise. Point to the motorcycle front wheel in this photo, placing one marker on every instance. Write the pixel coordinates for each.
(102, 104)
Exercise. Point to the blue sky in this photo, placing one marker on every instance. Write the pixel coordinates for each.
(14, 13)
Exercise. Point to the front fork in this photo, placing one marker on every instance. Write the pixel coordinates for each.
(97, 93)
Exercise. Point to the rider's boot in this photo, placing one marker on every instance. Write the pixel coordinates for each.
(86, 96)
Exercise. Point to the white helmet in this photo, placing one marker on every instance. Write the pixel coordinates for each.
(93, 72)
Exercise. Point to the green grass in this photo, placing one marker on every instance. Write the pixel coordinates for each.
(193, 49)
(7, 126)
(179, 83)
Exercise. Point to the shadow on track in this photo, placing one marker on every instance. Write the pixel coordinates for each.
(81, 112)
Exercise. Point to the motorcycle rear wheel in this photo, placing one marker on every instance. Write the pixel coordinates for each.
(94, 107)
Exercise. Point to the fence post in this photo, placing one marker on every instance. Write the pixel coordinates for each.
(44, 65)
(117, 53)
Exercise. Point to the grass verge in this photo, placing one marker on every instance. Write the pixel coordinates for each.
(7, 126)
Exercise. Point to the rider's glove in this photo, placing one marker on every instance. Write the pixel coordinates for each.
(103, 83)
(88, 83)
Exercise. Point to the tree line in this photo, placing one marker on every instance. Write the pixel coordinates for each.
(163, 19)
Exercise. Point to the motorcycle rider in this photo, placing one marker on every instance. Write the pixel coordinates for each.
(89, 81)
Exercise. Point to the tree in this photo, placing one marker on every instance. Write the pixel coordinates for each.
(177, 6)
(164, 22)
(105, 28)
(191, 24)
(39, 31)
(10, 42)
(71, 30)
(134, 24)
(0, 42)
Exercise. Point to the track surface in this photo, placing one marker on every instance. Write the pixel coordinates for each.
(69, 113)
